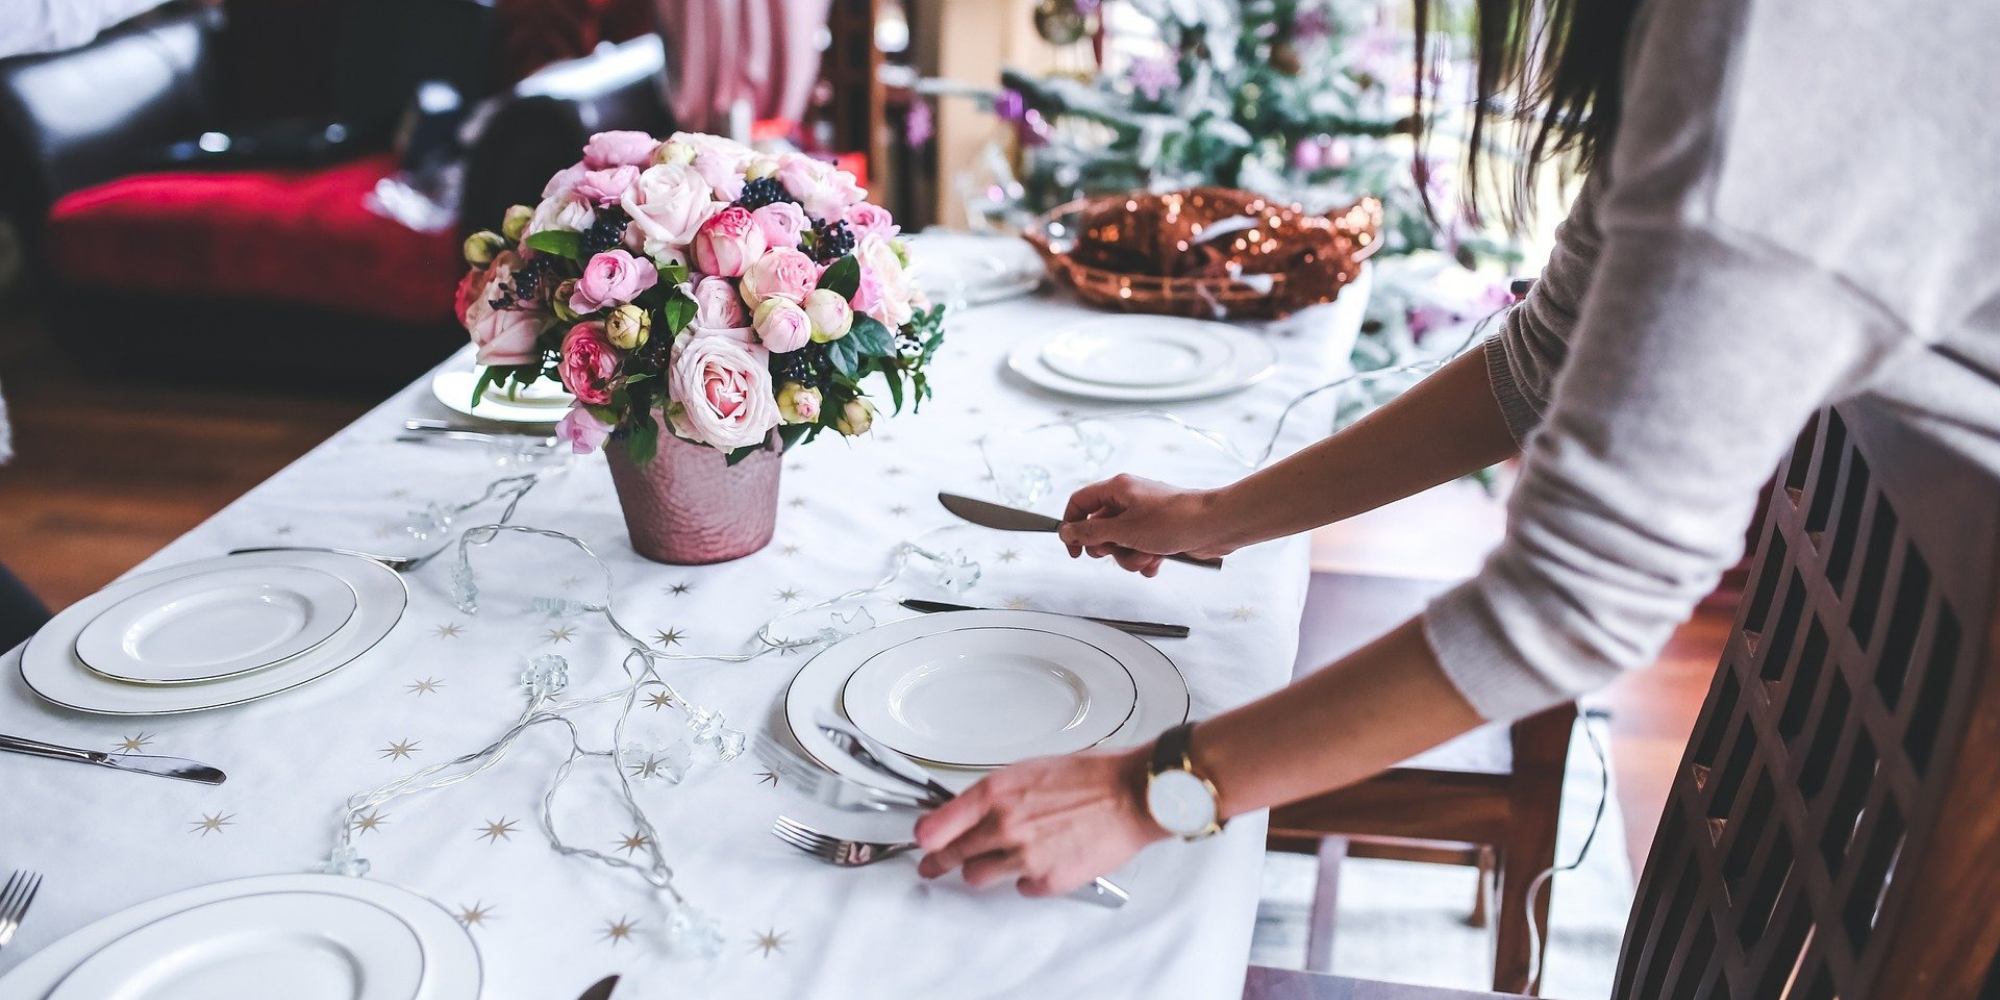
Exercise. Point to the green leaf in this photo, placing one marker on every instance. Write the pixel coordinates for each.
(673, 272)
(678, 312)
(895, 381)
(791, 433)
(479, 388)
(869, 336)
(637, 377)
(845, 354)
(561, 242)
(740, 454)
(843, 276)
(642, 442)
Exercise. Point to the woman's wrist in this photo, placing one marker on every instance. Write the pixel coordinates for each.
(1232, 517)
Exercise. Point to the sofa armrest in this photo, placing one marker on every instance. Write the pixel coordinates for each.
(72, 119)
(540, 127)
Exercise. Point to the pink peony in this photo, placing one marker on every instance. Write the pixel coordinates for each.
(612, 278)
(565, 180)
(605, 187)
(783, 274)
(782, 223)
(471, 288)
(822, 191)
(502, 336)
(721, 392)
(588, 363)
(885, 291)
(782, 326)
(722, 173)
(866, 219)
(668, 205)
(561, 211)
(619, 149)
(717, 306)
(582, 430)
(728, 243)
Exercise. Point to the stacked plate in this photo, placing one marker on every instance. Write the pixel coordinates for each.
(1141, 358)
(541, 402)
(213, 632)
(966, 691)
(971, 269)
(302, 937)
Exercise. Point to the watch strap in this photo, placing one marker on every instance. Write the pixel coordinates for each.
(1170, 751)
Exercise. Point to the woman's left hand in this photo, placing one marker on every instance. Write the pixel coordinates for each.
(1052, 825)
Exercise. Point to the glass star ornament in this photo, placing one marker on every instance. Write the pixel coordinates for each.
(431, 522)
(343, 860)
(693, 933)
(712, 734)
(558, 607)
(643, 763)
(546, 676)
(846, 625)
(464, 587)
(956, 571)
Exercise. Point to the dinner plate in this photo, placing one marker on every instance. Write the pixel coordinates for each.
(987, 697)
(540, 402)
(1161, 700)
(974, 268)
(298, 945)
(451, 969)
(1139, 351)
(214, 625)
(1250, 361)
(51, 669)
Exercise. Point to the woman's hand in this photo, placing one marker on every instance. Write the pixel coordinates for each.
(1138, 522)
(1052, 825)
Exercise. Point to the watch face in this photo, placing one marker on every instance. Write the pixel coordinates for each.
(1180, 802)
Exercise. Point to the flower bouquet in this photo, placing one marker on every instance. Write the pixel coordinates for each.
(708, 305)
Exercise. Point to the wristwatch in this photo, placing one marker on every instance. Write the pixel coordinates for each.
(1183, 802)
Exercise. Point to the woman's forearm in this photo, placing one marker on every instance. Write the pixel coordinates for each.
(1446, 426)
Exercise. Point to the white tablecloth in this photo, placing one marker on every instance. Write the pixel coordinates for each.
(444, 683)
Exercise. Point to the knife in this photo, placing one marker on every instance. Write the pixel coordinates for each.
(165, 767)
(993, 515)
(1157, 629)
(600, 990)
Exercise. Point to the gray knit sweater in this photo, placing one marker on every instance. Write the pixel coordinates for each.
(1799, 209)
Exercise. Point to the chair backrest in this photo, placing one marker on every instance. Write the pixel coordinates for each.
(1834, 830)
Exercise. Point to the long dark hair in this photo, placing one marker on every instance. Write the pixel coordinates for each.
(1548, 76)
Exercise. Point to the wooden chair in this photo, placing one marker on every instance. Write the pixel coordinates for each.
(1489, 800)
(1832, 830)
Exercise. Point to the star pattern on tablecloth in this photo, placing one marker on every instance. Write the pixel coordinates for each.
(1171, 448)
(1019, 604)
(767, 778)
(370, 823)
(796, 503)
(208, 823)
(401, 749)
(476, 914)
(1008, 555)
(894, 470)
(282, 530)
(900, 510)
(448, 630)
(659, 700)
(677, 589)
(570, 582)
(634, 841)
(135, 743)
(428, 685)
(788, 549)
(770, 941)
(1249, 418)
(1242, 613)
(556, 635)
(497, 830)
(619, 930)
(647, 769)
(788, 595)
(668, 637)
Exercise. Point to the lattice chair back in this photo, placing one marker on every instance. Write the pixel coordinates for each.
(1834, 830)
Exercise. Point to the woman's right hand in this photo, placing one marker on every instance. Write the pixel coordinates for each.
(1138, 522)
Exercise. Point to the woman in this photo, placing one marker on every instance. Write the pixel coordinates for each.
(1787, 204)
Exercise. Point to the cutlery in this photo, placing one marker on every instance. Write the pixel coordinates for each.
(1004, 518)
(165, 767)
(600, 990)
(1156, 629)
(426, 430)
(15, 899)
(835, 791)
(842, 853)
(883, 760)
(401, 564)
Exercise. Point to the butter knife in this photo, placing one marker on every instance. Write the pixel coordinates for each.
(1156, 629)
(600, 990)
(1004, 518)
(165, 767)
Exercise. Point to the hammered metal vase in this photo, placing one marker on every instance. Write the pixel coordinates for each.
(689, 506)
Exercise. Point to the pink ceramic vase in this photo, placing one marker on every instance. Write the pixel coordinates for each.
(689, 506)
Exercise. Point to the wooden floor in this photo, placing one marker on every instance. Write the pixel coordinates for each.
(108, 472)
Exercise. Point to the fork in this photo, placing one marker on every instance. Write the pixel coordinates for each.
(842, 853)
(15, 899)
(401, 564)
(834, 790)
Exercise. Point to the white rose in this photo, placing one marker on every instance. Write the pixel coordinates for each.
(668, 204)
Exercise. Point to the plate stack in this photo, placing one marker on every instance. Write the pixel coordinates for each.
(967, 691)
(213, 632)
(1144, 359)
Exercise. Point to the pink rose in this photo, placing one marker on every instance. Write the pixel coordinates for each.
(717, 306)
(782, 326)
(561, 211)
(619, 149)
(783, 274)
(605, 187)
(865, 219)
(588, 363)
(721, 173)
(823, 191)
(668, 205)
(782, 223)
(471, 288)
(721, 392)
(564, 180)
(582, 430)
(885, 291)
(728, 243)
(831, 316)
(612, 278)
(502, 336)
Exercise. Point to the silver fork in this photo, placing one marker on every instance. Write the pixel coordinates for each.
(401, 564)
(843, 853)
(15, 899)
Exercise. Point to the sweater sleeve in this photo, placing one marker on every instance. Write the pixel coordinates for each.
(1523, 358)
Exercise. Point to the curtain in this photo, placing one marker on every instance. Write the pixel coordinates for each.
(764, 52)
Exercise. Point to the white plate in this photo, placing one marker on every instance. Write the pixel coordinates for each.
(1162, 700)
(1251, 360)
(215, 625)
(299, 945)
(50, 668)
(987, 697)
(451, 960)
(973, 267)
(542, 402)
(1140, 351)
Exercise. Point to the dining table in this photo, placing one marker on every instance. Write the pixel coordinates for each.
(444, 682)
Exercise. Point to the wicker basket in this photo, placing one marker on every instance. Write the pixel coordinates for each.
(1207, 253)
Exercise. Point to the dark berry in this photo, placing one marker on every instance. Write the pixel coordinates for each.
(832, 241)
(604, 234)
(762, 191)
(527, 282)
